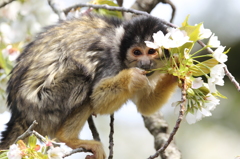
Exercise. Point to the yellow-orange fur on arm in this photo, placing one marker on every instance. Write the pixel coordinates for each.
(148, 103)
(111, 93)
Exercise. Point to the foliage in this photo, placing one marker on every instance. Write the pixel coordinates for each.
(105, 11)
(32, 150)
(201, 97)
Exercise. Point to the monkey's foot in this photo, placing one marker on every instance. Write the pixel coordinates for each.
(97, 150)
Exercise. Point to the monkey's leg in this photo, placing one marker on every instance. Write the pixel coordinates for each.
(69, 132)
(150, 103)
(111, 93)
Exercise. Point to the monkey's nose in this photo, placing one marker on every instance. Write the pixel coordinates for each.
(145, 64)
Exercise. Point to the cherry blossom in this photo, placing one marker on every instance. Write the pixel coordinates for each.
(213, 42)
(11, 53)
(197, 83)
(216, 77)
(206, 106)
(219, 55)
(159, 40)
(178, 38)
(56, 153)
(173, 39)
(14, 152)
(204, 33)
(211, 102)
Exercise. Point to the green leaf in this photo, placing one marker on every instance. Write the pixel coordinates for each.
(105, 11)
(203, 67)
(227, 51)
(219, 95)
(192, 31)
(32, 141)
(204, 89)
(185, 22)
(3, 155)
(187, 45)
(41, 156)
(190, 92)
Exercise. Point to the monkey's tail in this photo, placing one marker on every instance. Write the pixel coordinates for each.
(15, 127)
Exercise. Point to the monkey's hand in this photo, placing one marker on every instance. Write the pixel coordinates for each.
(148, 104)
(138, 79)
(111, 93)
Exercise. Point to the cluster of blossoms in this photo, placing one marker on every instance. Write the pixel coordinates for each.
(33, 150)
(201, 97)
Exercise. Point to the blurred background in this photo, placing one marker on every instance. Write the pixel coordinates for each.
(215, 137)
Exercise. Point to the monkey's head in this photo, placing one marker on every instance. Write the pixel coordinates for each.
(133, 49)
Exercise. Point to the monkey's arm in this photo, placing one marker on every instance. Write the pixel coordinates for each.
(111, 93)
(108, 95)
(149, 103)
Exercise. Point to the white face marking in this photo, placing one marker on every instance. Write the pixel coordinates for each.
(119, 34)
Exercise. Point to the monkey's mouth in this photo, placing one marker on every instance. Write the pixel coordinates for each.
(150, 73)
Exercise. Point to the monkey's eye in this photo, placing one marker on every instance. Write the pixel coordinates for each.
(151, 51)
(137, 52)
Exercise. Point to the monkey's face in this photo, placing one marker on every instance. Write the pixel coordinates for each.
(144, 58)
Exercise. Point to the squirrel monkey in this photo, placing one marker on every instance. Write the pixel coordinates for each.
(84, 66)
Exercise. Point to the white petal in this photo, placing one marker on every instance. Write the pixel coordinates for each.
(151, 44)
(205, 112)
(197, 83)
(158, 38)
(219, 55)
(212, 86)
(211, 102)
(198, 115)
(190, 118)
(213, 42)
(14, 152)
(204, 33)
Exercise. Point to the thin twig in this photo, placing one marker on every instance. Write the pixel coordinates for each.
(178, 122)
(120, 2)
(55, 7)
(6, 3)
(27, 133)
(112, 8)
(43, 139)
(173, 9)
(111, 142)
(115, 9)
(232, 78)
(76, 151)
(93, 129)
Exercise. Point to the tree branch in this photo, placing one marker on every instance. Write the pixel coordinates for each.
(111, 142)
(76, 151)
(149, 5)
(158, 127)
(173, 8)
(178, 122)
(120, 2)
(93, 129)
(6, 3)
(112, 8)
(27, 133)
(55, 7)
